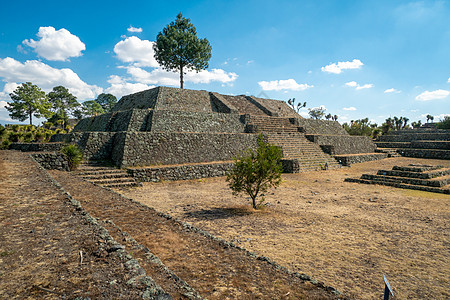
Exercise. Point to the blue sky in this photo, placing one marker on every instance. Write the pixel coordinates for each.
(358, 59)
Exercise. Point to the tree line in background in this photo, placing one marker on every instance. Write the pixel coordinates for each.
(29, 100)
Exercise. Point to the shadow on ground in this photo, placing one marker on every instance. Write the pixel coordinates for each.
(218, 213)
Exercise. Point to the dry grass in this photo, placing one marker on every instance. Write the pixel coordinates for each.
(344, 234)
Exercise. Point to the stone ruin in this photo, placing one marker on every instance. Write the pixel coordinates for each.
(176, 133)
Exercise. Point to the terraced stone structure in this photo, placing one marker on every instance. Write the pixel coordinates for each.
(424, 142)
(416, 177)
(172, 133)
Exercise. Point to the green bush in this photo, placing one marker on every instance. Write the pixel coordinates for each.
(15, 137)
(5, 145)
(444, 124)
(73, 155)
(28, 137)
(257, 171)
(15, 128)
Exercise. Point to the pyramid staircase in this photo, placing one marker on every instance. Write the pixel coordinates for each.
(293, 143)
(105, 175)
(416, 177)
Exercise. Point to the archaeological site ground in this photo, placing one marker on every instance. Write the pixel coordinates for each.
(149, 213)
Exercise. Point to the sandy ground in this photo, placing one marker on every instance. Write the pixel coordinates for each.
(344, 234)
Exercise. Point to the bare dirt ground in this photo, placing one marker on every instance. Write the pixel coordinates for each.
(344, 234)
(41, 237)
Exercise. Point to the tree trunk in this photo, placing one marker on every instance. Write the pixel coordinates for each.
(31, 118)
(181, 76)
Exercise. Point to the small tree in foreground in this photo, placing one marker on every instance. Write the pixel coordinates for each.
(257, 171)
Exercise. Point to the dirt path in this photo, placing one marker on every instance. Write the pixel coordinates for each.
(41, 236)
(214, 270)
(344, 234)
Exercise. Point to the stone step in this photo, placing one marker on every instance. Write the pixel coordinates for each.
(415, 174)
(444, 190)
(443, 181)
(113, 181)
(417, 168)
(123, 185)
(105, 175)
(103, 171)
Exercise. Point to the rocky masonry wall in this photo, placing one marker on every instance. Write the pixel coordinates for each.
(425, 153)
(184, 172)
(51, 161)
(181, 121)
(347, 160)
(311, 126)
(344, 144)
(35, 147)
(151, 148)
(95, 145)
(408, 137)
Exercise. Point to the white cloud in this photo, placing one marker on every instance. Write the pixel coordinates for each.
(433, 95)
(56, 45)
(336, 68)
(137, 51)
(126, 88)
(159, 76)
(391, 90)
(359, 87)
(278, 85)
(134, 29)
(2, 104)
(46, 77)
(366, 86)
(448, 80)
(349, 108)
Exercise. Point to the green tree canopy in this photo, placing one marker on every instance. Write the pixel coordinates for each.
(257, 171)
(63, 104)
(106, 101)
(90, 108)
(177, 48)
(28, 100)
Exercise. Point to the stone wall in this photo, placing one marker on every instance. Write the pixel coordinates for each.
(184, 100)
(408, 137)
(182, 121)
(151, 148)
(51, 161)
(95, 145)
(311, 126)
(141, 100)
(184, 172)
(276, 107)
(425, 153)
(347, 160)
(343, 144)
(36, 147)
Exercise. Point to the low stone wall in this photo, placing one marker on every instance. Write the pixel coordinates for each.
(445, 145)
(184, 172)
(182, 121)
(163, 148)
(311, 126)
(51, 161)
(36, 147)
(95, 145)
(408, 137)
(347, 160)
(343, 144)
(425, 153)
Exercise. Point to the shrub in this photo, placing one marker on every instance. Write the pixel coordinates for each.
(444, 124)
(5, 145)
(48, 125)
(15, 128)
(257, 171)
(73, 155)
(15, 137)
(39, 137)
(28, 137)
